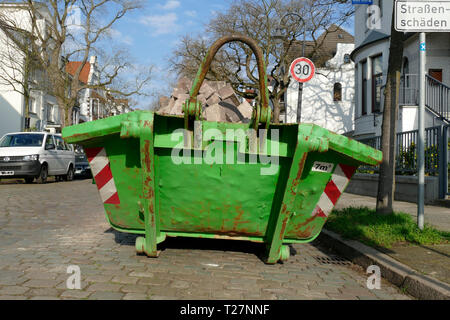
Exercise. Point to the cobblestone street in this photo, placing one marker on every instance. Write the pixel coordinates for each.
(46, 228)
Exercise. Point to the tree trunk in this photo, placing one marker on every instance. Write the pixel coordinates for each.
(386, 181)
(276, 110)
(26, 97)
(66, 112)
(67, 116)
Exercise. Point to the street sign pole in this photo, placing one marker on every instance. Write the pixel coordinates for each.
(421, 149)
(302, 70)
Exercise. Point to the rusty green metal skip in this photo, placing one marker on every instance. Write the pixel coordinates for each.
(276, 184)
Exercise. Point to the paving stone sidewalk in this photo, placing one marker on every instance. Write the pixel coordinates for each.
(46, 228)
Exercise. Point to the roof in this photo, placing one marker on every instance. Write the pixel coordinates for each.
(374, 36)
(72, 67)
(324, 52)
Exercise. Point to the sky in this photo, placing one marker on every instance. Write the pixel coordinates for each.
(152, 32)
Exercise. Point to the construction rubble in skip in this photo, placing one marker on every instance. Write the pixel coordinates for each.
(218, 100)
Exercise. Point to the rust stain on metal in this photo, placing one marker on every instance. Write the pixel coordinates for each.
(305, 233)
(147, 124)
(298, 226)
(296, 181)
(237, 219)
(147, 155)
(283, 227)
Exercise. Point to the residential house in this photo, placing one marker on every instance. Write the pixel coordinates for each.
(42, 112)
(371, 57)
(328, 98)
(42, 109)
(94, 103)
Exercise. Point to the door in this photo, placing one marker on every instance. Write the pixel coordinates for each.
(61, 155)
(50, 155)
(436, 74)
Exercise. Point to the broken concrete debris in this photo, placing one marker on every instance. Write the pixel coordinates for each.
(219, 102)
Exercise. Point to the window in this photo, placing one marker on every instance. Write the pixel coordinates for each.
(364, 88)
(49, 141)
(32, 105)
(56, 114)
(94, 109)
(337, 92)
(436, 74)
(346, 58)
(377, 81)
(405, 73)
(405, 65)
(22, 140)
(49, 113)
(60, 145)
(75, 115)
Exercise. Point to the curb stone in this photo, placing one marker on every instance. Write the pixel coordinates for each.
(414, 283)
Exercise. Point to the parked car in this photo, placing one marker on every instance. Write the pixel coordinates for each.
(36, 155)
(82, 168)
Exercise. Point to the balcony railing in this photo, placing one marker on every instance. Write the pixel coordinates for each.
(437, 94)
(437, 97)
(409, 92)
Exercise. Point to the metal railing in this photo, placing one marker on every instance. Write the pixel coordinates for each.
(437, 97)
(409, 92)
(437, 94)
(406, 151)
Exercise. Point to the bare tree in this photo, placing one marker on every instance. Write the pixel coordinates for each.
(19, 68)
(386, 181)
(56, 40)
(263, 21)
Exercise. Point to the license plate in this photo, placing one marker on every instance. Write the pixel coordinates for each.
(6, 173)
(78, 171)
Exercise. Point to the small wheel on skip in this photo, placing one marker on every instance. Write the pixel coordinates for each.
(140, 244)
(285, 253)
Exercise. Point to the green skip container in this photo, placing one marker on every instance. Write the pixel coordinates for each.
(180, 176)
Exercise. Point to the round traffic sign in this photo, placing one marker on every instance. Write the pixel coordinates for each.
(302, 69)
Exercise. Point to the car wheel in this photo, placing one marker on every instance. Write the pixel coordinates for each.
(43, 175)
(29, 180)
(70, 174)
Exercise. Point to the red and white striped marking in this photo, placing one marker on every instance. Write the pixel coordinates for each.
(333, 190)
(101, 171)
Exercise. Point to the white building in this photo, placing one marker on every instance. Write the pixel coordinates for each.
(328, 98)
(371, 57)
(94, 103)
(91, 101)
(42, 109)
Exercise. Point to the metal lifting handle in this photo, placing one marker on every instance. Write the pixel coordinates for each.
(261, 114)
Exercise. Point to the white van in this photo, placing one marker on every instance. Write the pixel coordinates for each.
(36, 155)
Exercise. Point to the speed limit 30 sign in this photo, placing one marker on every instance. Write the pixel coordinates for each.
(302, 69)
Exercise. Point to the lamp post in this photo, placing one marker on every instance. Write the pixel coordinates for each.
(300, 85)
